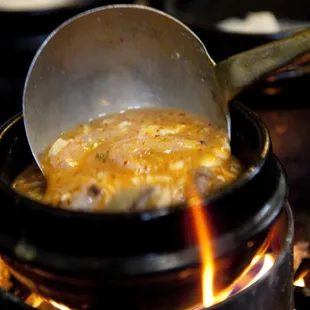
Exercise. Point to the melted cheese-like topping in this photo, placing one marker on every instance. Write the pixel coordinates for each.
(136, 160)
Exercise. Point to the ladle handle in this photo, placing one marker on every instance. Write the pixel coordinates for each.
(243, 69)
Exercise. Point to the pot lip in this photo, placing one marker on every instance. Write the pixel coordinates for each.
(247, 176)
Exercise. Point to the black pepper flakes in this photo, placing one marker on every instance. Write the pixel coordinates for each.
(94, 190)
(99, 156)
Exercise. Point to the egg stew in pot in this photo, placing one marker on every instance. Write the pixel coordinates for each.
(132, 161)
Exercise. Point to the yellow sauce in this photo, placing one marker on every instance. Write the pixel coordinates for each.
(136, 160)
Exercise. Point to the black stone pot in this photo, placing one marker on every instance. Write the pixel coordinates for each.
(78, 257)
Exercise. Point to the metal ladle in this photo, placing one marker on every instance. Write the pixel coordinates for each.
(126, 56)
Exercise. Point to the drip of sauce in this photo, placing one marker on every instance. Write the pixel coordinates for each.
(132, 161)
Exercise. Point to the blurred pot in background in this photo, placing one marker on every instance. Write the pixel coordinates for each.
(239, 26)
(205, 13)
(24, 26)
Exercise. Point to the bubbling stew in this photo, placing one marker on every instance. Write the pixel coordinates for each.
(132, 161)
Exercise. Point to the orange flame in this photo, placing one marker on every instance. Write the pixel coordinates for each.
(268, 263)
(300, 282)
(58, 305)
(39, 302)
(204, 240)
(202, 232)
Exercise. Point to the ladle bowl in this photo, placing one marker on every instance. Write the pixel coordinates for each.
(128, 56)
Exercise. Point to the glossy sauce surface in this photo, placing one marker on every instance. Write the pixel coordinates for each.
(132, 161)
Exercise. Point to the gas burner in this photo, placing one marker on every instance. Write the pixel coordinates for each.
(302, 251)
(302, 275)
(19, 296)
(268, 277)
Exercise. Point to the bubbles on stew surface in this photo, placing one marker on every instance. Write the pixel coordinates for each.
(132, 161)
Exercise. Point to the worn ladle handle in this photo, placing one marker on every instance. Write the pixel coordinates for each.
(241, 70)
